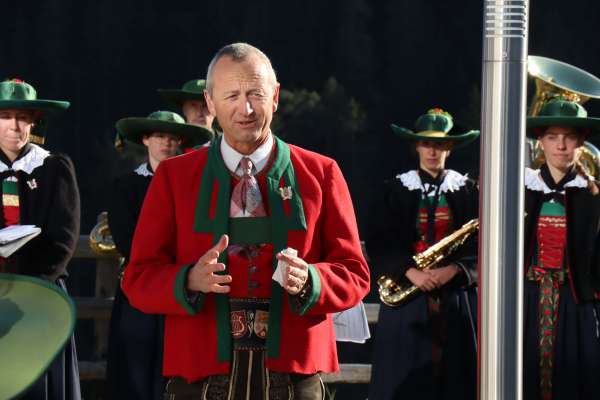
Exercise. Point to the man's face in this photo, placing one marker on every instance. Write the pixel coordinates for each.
(15, 127)
(161, 145)
(432, 155)
(244, 98)
(559, 144)
(196, 113)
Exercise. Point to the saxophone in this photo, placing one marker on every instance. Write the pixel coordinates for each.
(395, 294)
(101, 240)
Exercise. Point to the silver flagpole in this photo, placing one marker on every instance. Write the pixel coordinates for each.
(501, 213)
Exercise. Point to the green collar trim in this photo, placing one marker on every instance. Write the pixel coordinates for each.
(216, 179)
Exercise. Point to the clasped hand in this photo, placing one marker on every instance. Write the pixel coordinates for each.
(431, 279)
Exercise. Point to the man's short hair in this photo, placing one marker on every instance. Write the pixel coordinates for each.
(238, 52)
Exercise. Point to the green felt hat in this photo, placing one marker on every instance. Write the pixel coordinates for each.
(36, 320)
(435, 126)
(16, 94)
(191, 90)
(134, 129)
(19, 95)
(560, 111)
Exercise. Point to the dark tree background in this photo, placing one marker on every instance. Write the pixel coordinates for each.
(349, 68)
(370, 62)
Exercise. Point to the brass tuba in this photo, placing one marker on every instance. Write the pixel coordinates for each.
(394, 294)
(554, 78)
(101, 240)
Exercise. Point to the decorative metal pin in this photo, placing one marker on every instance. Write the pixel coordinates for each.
(285, 192)
(32, 184)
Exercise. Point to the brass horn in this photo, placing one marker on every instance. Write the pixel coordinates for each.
(555, 78)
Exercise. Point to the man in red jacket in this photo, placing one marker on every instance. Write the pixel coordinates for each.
(215, 225)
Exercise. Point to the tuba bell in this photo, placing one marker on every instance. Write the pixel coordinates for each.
(555, 78)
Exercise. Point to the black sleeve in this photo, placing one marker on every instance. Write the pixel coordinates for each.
(393, 249)
(595, 265)
(595, 261)
(466, 256)
(123, 214)
(49, 253)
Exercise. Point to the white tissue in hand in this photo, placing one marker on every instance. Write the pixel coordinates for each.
(280, 274)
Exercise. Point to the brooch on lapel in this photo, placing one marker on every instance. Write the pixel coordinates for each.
(32, 184)
(285, 192)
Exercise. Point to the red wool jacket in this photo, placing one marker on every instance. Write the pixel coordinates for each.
(166, 244)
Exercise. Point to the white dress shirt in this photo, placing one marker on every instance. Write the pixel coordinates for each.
(259, 157)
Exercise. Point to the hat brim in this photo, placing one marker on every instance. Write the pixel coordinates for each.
(593, 124)
(134, 129)
(176, 97)
(49, 106)
(36, 320)
(462, 139)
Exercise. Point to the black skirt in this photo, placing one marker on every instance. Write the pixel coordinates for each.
(576, 372)
(403, 365)
(61, 379)
(135, 353)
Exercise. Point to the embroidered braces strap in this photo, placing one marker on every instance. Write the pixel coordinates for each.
(10, 201)
(550, 282)
(280, 224)
(216, 177)
(549, 248)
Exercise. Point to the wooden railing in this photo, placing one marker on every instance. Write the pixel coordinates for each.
(99, 309)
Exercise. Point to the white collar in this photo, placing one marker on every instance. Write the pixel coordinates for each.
(259, 157)
(143, 170)
(534, 181)
(452, 181)
(33, 159)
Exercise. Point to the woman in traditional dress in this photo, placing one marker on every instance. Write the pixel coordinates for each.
(562, 260)
(134, 367)
(425, 348)
(39, 188)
